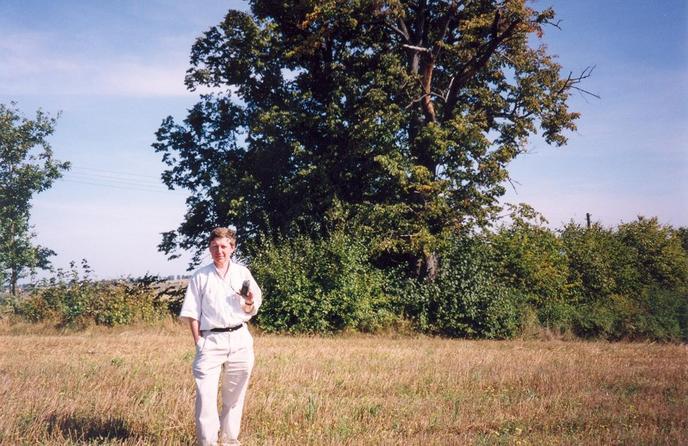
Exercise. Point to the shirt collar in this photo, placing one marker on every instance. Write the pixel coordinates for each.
(219, 273)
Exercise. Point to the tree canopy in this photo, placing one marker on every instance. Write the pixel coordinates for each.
(398, 117)
(27, 167)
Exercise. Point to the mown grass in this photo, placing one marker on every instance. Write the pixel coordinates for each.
(134, 387)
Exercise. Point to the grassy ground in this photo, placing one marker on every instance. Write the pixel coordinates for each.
(134, 387)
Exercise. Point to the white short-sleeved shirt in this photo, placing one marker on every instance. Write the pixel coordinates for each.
(215, 302)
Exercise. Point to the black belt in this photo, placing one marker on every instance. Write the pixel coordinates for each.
(226, 329)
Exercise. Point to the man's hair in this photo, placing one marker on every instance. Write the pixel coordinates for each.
(223, 233)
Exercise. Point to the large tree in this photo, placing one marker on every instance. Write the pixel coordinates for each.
(27, 167)
(401, 116)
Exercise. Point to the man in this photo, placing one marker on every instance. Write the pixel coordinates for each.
(217, 313)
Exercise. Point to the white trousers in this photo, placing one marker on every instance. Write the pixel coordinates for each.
(229, 355)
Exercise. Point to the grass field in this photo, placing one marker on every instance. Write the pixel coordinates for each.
(134, 387)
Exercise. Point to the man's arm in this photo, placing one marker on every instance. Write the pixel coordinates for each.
(195, 332)
(254, 298)
(191, 307)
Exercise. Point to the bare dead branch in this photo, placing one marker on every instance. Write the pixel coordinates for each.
(571, 83)
(512, 184)
(417, 48)
(589, 93)
(438, 95)
(446, 96)
(556, 25)
(404, 29)
(415, 101)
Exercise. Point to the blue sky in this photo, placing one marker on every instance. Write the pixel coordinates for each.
(116, 69)
(629, 156)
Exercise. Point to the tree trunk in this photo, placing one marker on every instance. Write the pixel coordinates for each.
(14, 277)
(427, 267)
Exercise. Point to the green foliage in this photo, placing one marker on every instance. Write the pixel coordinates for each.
(405, 114)
(530, 259)
(660, 286)
(631, 282)
(599, 263)
(683, 236)
(657, 253)
(72, 299)
(27, 167)
(600, 271)
(320, 286)
(654, 313)
(464, 300)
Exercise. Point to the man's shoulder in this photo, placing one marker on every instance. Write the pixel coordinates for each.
(203, 271)
(240, 268)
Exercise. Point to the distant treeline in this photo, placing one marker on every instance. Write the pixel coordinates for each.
(628, 282)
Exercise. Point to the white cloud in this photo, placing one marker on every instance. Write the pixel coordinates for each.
(134, 78)
(32, 65)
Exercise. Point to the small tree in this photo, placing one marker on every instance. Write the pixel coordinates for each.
(531, 259)
(657, 252)
(27, 167)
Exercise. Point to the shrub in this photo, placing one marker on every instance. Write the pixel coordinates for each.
(530, 259)
(632, 280)
(464, 300)
(657, 254)
(598, 263)
(72, 299)
(319, 286)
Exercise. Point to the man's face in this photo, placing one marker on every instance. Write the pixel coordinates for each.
(221, 249)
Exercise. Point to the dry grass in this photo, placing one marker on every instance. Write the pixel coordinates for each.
(134, 387)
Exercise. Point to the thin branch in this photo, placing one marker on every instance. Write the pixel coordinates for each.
(572, 82)
(451, 12)
(556, 25)
(446, 96)
(401, 32)
(416, 48)
(512, 184)
(410, 104)
(438, 95)
(478, 61)
(415, 101)
(420, 98)
(404, 29)
(581, 90)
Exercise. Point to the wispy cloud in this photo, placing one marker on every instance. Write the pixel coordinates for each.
(32, 65)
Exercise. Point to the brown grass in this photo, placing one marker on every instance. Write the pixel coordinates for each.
(134, 387)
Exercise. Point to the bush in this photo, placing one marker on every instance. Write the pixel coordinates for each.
(530, 259)
(653, 314)
(625, 283)
(657, 254)
(464, 300)
(320, 286)
(599, 264)
(632, 281)
(72, 299)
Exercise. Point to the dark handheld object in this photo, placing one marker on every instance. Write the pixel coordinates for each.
(244, 288)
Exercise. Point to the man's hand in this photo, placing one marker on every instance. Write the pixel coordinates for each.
(248, 302)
